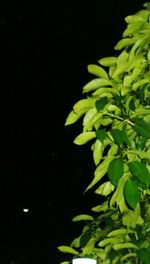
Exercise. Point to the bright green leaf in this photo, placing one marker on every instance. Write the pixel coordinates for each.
(66, 249)
(84, 137)
(105, 189)
(97, 70)
(108, 61)
(82, 217)
(73, 117)
(97, 151)
(101, 208)
(95, 84)
(84, 104)
(65, 262)
(133, 28)
(124, 42)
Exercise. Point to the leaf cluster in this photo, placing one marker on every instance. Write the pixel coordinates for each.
(115, 112)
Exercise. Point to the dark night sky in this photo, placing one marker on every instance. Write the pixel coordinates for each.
(45, 49)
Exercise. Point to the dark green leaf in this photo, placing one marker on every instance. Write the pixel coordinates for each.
(115, 170)
(125, 136)
(100, 104)
(131, 104)
(131, 193)
(117, 136)
(141, 127)
(142, 142)
(101, 134)
(85, 237)
(140, 171)
(144, 255)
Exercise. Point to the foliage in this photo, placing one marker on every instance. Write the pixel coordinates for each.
(115, 110)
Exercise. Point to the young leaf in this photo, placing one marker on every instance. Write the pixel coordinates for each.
(97, 70)
(108, 61)
(100, 104)
(115, 170)
(117, 136)
(84, 104)
(73, 117)
(95, 84)
(84, 137)
(97, 151)
(82, 217)
(105, 189)
(65, 262)
(131, 193)
(140, 171)
(124, 42)
(66, 249)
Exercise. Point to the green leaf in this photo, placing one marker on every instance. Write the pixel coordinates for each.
(66, 249)
(133, 28)
(134, 18)
(108, 61)
(124, 42)
(100, 104)
(65, 262)
(84, 104)
(82, 217)
(73, 117)
(101, 208)
(125, 136)
(85, 237)
(95, 84)
(100, 171)
(97, 70)
(141, 127)
(144, 255)
(131, 193)
(142, 142)
(101, 134)
(128, 245)
(117, 136)
(105, 189)
(97, 151)
(140, 171)
(115, 170)
(84, 137)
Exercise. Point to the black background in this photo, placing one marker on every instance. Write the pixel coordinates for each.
(45, 49)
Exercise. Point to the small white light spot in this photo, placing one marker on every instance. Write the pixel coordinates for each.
(25, 210)
(84, 261)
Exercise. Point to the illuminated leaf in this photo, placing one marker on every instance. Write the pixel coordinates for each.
(66, 249)
(82, 217)
(97, 70)
(84, 137)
